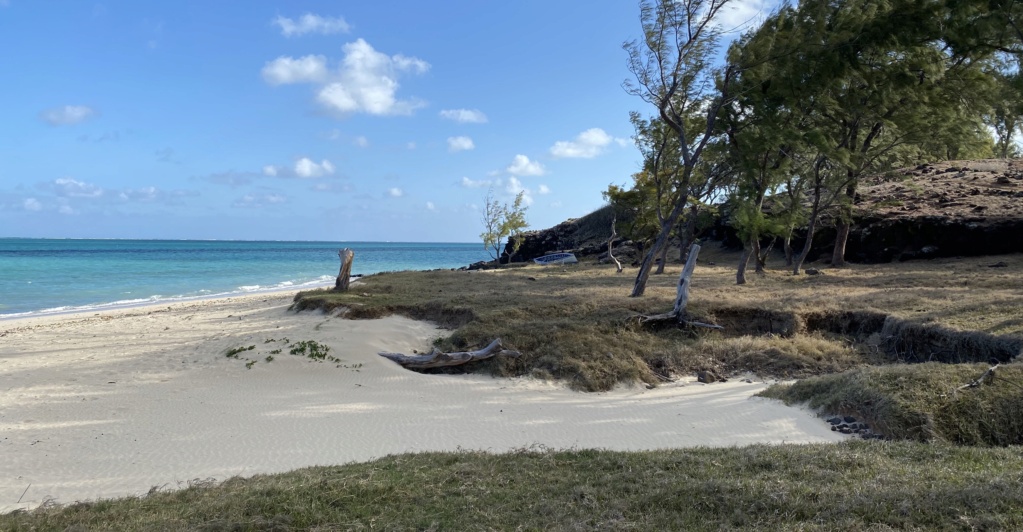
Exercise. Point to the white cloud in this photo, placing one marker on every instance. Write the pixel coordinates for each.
(430, 206)
(310, 23)
(367, 82)
(411, 145)
(361, 142)
(395, 192)
(71, 188)
(32, 204)
(304, 168)
(522, 166)
(460, 144)
(285, 70)
(67, 115)
(543, 189)
(307, 168)
(588, 144)
(66, 210)
(464, 116)
(514, 187)
(469, 183)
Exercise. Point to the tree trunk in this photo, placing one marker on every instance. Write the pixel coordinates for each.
(344, 277)
(810, 228)
(688, 234)
(755, 254)
(740, 273)
(844, 225)
(789, 252)
(682, 292)
(838, 255)
(661, 260)
(678, 312)
(610, 245)
(662, 240)
(763, 254)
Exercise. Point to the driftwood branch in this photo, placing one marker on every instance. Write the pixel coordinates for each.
(987, 376)
(344, 278)
(610, 244)
(437, 359)
(678, 313)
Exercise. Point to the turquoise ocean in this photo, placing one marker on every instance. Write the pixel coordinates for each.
(43, 276)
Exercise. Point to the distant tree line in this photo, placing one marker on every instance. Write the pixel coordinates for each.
(819, 95)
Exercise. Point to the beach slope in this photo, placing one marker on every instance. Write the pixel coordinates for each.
(116, 403)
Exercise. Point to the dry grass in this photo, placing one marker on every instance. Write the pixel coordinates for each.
(923, 402)
(577, 323)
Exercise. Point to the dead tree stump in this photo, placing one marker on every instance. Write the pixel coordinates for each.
(344, 278)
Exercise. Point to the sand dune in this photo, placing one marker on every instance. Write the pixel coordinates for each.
(116, 403)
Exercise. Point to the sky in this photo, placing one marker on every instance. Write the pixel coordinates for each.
(311, 120)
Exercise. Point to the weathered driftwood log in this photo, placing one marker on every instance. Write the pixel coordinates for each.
(678, 313)
(437, 359)
(344, 278)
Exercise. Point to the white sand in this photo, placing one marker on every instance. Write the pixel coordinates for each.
(115, 403)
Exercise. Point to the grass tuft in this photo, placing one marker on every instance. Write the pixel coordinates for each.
(922, 402)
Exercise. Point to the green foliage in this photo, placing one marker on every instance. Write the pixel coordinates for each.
(312, 349)
(233, 353)
(502, 221)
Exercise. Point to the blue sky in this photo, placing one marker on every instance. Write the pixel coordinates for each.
(384, 120)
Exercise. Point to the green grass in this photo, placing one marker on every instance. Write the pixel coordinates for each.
(851, 486)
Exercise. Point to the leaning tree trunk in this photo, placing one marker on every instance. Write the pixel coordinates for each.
(678, 312)
(344, 278)
(747, 252)
(661, 260)
(797, 264)
(662, 240)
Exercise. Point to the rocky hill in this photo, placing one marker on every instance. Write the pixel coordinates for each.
(954, 208)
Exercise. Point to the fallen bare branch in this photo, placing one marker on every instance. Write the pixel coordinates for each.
(437, 359)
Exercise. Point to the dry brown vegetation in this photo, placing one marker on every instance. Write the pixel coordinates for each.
(577, 323)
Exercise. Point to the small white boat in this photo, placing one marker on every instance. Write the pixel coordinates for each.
(557, 258)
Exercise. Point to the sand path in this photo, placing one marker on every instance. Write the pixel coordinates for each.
(113, 404)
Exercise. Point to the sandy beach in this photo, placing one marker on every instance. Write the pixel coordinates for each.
(115, 403)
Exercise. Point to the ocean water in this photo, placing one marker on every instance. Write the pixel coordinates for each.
(39, 276)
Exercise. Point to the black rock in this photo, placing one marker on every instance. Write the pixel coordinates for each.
(834, 420)
(849, 419)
